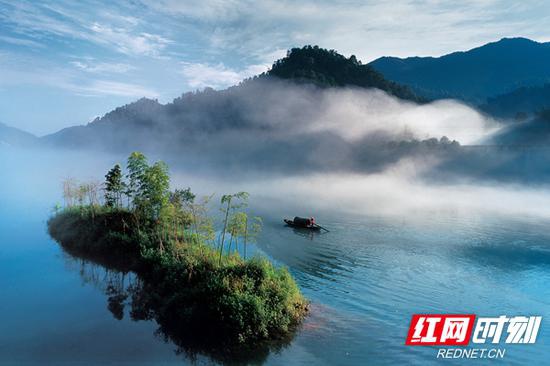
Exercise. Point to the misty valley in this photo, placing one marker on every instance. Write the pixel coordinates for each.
(435, 200)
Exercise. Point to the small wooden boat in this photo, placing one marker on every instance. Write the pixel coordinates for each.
(301, 226)
(303, 223)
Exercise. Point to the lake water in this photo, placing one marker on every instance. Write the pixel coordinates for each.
(365, 278)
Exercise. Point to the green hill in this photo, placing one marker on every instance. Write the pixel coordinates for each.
(328, 68)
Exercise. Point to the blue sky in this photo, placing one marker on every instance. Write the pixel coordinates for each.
(63, 63)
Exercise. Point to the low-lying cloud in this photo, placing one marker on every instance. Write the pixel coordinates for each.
(354, 113)
(281, 127)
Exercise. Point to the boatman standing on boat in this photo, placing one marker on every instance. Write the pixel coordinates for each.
(312, 221)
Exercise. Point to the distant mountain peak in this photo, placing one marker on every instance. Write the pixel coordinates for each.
(510, 44)
(140, 109)
(516, 40)
(11, 136)
(474, 75)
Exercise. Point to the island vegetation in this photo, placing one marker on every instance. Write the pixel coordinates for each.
(195, 277)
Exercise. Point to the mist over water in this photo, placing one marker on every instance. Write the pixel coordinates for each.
(398, 245)
(402, 188)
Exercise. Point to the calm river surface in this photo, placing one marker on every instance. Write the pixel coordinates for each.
(364, 279)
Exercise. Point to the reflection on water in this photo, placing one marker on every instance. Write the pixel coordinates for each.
(128, 295)
(306, 233)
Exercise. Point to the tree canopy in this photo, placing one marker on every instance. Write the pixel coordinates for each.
(328, 68)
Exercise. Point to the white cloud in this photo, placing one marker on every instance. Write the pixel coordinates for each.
(211, 10)
(118, 32)
(128, 19)
(368, 29)
(199, 75)
(22, 71)
(254, 29)
(272, 56)
(103, 67)
(107, 87)
(21, 42)
(124, 41)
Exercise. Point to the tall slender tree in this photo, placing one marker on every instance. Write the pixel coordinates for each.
(136, 167)
(230, 203)
(114, 187)
(155, 189)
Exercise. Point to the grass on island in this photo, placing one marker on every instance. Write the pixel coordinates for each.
(167, 238)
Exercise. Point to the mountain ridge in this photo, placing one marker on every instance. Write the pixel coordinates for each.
(12, 136)
(210, 111)
(520, 104)
(473, 75)
(309, 66)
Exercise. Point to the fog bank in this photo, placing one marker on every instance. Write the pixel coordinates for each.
(276, 126)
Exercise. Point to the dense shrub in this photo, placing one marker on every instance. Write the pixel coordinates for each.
(162, 235)
(189, 286)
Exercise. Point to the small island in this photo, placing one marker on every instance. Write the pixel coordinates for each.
(196, 279)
